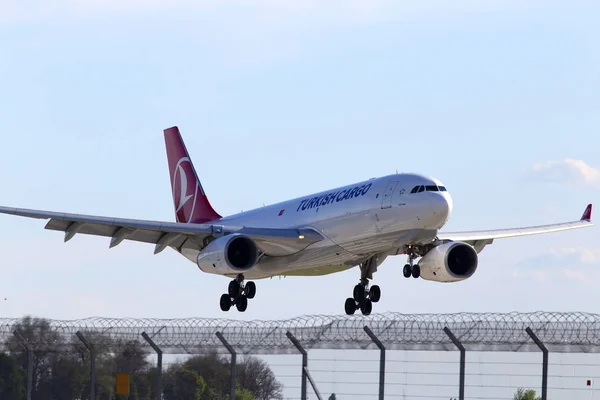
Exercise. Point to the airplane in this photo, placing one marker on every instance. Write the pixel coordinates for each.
(322, 233)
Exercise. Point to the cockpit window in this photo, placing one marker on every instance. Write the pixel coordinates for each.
(428, 188)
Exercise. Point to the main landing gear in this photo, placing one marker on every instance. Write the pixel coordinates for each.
(363, 297)
(411, 269)
(238, 294)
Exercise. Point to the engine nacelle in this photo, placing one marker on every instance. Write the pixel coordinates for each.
(228, 255)
(449, 262)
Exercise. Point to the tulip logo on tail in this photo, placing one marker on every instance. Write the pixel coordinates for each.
(184, 179)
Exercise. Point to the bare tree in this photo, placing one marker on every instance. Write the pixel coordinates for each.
(255, 375)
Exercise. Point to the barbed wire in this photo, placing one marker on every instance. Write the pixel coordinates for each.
(572, 332)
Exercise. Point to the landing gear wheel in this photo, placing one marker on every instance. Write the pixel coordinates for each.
(225, 302)
(238, 294)
(250, 290)
(241, 303)
(366, 307)
(406, 271)
(234, 289)
(362, 298)
(416, 271)
(359, 293)
(364, 295)
(350, 306)
(375, 293)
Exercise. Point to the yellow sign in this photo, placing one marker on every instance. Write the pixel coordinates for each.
(122, 384)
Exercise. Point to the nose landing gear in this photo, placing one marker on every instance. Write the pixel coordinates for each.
(411, 269)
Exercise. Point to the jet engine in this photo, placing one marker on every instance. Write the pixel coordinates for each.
(228, 255)
(449, 262)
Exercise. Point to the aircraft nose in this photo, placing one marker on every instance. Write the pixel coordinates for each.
(442, 207)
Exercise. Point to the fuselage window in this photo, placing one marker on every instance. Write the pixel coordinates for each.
(414, 190)
(432, 188)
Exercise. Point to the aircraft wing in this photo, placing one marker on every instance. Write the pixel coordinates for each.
(271, 241)
(480, 239)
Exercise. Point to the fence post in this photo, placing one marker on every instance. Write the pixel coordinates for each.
(305, 373)
(29, 350)
(92, 351)
(458, 344)
(159, 355)
(381, 360)
(544, 350)
(233, 365)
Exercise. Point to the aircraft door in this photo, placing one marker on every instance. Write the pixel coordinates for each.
(386, 201)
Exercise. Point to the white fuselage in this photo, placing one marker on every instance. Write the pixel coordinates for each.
(359, 220)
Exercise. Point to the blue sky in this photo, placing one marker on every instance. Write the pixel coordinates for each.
(499, 100)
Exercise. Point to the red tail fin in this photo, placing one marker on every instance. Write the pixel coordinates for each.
(191, 203)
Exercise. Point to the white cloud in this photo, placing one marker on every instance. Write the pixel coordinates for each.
(539, 276)
(575, 264)
(581, 276)
(568, 170)
(584, 255)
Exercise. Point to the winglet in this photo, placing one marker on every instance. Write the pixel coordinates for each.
(587, 214)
